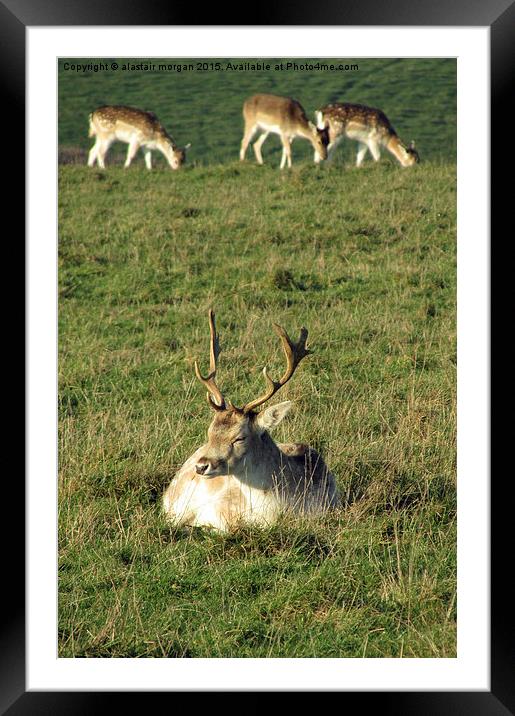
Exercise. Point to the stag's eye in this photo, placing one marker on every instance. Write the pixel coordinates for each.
(238, 440)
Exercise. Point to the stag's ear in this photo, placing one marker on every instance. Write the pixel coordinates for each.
(272, 416)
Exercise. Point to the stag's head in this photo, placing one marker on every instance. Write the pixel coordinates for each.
(236, 436)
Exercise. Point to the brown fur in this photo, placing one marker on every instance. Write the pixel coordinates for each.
(270, 106)
(367, 125)
(293, 449)
(136, 127)
(148, 122)
(240, 474)
(274, 477)
(284, 116)
(345, 113)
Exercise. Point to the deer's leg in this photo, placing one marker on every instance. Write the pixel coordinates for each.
(148, 158)
(288, 158)
(286, 151)
(93, 154)
(257, 147)
(361, 154)
(249, 133)
(134, 145)
(374, 149)
(102, 151)
(331, 147)
(283, 159)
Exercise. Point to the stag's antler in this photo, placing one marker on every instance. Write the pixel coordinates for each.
(294, 353)
(214, 351)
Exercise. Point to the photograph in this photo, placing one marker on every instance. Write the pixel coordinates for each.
(257, 357)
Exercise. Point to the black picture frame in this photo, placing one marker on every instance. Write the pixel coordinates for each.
(499, 16)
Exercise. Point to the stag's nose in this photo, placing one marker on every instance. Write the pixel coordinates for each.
(201, 467)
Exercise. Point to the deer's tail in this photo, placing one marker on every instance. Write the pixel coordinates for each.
(92, 130)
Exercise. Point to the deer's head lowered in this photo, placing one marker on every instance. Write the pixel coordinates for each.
(238, 437)
(320, 139)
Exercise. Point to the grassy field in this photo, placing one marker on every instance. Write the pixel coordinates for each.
(365, 259)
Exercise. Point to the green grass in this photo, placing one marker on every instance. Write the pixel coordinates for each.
(366, 260)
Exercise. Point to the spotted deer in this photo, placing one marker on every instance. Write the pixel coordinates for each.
(240, 475)
(135, 127)
(368, 126)
(283, 116)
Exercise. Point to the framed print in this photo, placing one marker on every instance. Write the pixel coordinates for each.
(262, 195)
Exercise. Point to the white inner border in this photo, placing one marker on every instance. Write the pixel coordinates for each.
(470, 670)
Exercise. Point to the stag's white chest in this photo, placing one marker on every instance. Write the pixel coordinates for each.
(221, 502)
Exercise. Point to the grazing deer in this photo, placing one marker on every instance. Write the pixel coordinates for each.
(135, 127)
(369, 126)
(241, 475)
(283, 116)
